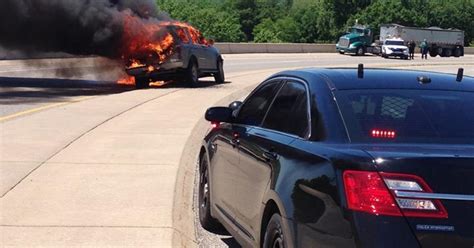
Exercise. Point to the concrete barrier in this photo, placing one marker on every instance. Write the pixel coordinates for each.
(229, 48)
(236, 48)
(319, 48)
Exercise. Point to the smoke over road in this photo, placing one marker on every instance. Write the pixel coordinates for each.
(79, 27)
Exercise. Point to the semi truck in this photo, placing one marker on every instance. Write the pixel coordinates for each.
(442, 42)
(359, 39)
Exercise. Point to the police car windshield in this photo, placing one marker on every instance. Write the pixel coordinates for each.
(394, 42)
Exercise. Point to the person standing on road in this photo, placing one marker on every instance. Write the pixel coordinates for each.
(411, 49)
(424, 49)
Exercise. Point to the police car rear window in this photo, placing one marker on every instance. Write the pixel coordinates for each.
(408, 116)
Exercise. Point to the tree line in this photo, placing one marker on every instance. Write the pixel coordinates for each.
(314, 21)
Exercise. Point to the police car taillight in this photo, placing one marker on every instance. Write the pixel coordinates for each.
(411, 206)
(378, 194)
(215, 125)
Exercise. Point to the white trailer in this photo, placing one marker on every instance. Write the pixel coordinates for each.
(443, 42)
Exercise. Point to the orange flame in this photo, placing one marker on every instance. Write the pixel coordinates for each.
(127, 80)
(145, 41)
(135, 63)
(157, 83)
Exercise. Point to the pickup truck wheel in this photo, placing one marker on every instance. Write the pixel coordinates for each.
(360, 51)
(141, 82)
(192, 74)
(219, 76)
(341, 52)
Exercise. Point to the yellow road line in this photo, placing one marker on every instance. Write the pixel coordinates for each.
(49, 106)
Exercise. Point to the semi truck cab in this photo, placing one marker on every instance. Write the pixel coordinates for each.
(357, 40)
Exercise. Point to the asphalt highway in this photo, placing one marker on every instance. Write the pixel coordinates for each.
(27, 84)
(85, 161)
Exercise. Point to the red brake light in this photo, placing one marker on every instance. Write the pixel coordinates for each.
(380, 133)
(366, 192)
(376, 193)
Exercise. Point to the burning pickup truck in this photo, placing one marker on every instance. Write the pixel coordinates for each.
(172, 51)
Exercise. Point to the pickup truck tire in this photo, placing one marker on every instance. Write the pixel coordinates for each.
(219, 76)
(341, 52)
(141, 82)
(192, 74)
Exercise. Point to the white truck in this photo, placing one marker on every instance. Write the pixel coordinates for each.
(443, 42)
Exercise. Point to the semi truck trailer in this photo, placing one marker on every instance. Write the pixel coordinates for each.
(442, 42)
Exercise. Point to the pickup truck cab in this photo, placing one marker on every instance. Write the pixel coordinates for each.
(394, 48)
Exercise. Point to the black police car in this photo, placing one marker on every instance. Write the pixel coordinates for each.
(344, 158)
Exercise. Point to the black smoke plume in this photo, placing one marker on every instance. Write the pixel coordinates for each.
(79, 27)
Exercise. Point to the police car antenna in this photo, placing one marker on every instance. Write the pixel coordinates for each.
(360, 71)
(460, 74)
